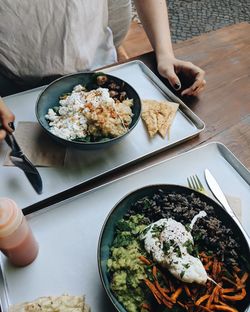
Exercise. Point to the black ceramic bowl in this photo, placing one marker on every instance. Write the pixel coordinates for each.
(121, 208)
(49, 98)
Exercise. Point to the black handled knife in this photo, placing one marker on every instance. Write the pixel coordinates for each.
(18, 158)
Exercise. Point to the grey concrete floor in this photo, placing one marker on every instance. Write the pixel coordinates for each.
(189, 18)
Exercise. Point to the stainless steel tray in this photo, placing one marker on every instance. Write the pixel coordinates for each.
(83, 166)
(68, 232)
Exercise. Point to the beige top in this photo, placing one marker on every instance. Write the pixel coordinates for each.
(41, 38)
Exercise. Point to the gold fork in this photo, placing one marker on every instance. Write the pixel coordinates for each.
(195, 184)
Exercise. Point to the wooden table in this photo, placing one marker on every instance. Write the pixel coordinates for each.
(224, 106)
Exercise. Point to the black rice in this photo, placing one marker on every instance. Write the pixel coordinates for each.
(209, 233)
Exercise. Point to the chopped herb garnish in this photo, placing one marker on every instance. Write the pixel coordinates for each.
(177, 250)
(186, 266)
(188, 228)
(166, 247)
(182, 274)
(189, 245)
(156, 230)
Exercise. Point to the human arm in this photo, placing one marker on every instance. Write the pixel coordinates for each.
(6, 117)
(154, 17)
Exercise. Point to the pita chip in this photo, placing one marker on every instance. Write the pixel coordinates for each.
(170, 109)
(149, 116)
(64, 303)
(158, 116)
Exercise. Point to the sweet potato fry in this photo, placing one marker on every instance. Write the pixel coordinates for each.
(146, 306)
(154, 272)
(154, 291)
(215, 267)
(162, 291)
(228, 290)
(171, 286)
(225, 308)
(244, 278)
(202, 299)
(157, 294)
(176, 294)
(211, 297)
(205, 309)
(144, 260)
(238, 280)
(236, 269)
(226, 279)
(187, 291)
(208, 265)
(239, 296)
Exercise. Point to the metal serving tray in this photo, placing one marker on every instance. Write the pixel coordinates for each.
(68, 232)
(82, 166)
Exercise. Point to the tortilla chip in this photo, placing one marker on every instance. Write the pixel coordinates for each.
(158, 116)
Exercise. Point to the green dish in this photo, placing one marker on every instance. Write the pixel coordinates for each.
(49, 98)
(120, 209)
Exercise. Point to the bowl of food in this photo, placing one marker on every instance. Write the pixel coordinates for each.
(170, 248)
(88, 110)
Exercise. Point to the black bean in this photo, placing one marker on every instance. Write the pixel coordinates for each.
(213, 234)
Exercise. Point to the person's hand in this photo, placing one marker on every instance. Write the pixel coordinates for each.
(6, 117)
(171, 67)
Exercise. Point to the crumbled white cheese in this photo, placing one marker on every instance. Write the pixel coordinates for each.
(81, 106)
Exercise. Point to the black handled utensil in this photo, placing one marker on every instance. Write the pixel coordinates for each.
(18, 158)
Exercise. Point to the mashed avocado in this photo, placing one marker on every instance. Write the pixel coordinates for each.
(124, 265)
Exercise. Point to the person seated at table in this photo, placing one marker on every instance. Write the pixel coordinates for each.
(42, 40)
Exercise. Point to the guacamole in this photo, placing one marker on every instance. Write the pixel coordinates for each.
(125, 267)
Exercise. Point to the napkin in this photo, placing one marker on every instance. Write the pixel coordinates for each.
(39, 148)
(235, 204)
